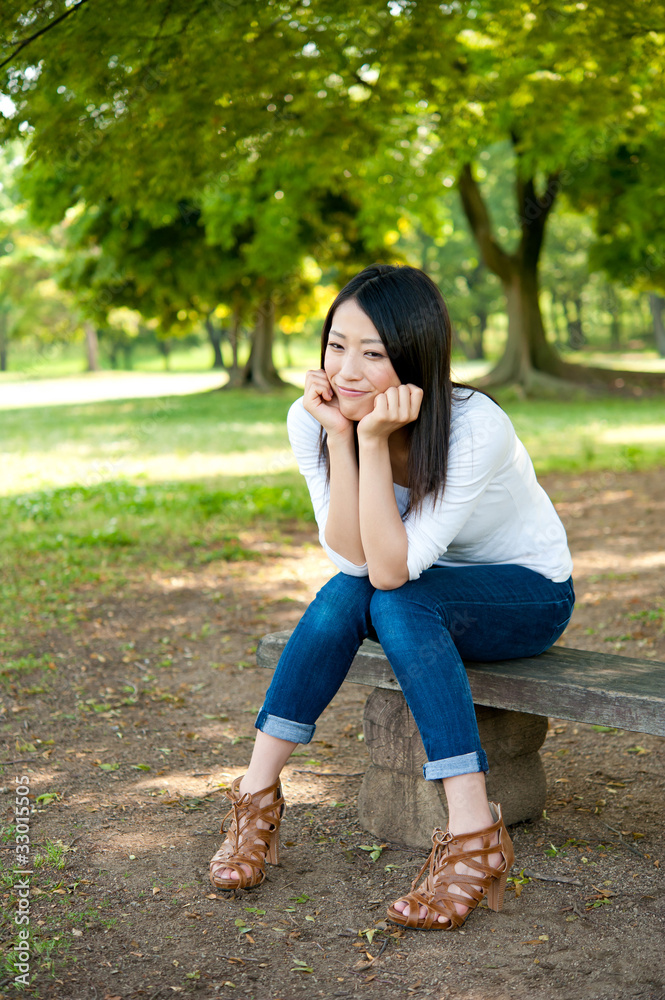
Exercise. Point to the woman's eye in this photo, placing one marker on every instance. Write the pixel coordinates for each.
(333, 345)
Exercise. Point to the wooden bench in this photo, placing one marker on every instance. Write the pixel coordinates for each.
(513, 700)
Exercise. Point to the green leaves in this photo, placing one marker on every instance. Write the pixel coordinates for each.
(301, 966)
(47, 798)
(375, 850)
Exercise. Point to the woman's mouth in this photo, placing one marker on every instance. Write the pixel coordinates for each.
(350, 393)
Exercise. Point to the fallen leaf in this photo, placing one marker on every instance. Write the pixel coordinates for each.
(301, 966)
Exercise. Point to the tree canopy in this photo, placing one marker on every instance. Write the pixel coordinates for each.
(287, 130)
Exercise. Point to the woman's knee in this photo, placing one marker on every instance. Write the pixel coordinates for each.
(391, 609)
(343, 598)
(389, 605)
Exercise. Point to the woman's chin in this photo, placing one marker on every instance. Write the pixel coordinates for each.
(355, 409)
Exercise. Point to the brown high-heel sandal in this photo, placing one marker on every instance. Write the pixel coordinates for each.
(247, 844)
(434, 893)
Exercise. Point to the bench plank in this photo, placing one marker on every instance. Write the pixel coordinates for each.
(599, 688)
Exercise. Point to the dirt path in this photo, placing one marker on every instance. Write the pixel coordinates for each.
(152, 710)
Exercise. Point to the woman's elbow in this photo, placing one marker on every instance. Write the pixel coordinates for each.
(388, 581)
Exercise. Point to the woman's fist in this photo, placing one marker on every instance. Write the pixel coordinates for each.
(321, 402)
(394, 408)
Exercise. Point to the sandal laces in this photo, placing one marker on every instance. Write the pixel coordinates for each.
(233, 830)
(440, 841)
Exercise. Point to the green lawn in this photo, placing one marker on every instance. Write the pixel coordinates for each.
(98, 494)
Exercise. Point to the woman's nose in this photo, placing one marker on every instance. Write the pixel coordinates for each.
(350, 366)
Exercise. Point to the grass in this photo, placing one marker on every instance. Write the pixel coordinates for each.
(62, 547)
(607, 433)
(46, 948)
(98, 495)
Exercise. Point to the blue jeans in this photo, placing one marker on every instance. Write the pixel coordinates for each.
(426, 627)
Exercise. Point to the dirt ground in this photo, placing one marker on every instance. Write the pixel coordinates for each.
(150, 714)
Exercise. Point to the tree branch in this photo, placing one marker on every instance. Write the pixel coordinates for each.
(42, 31)
(476, 212)
(533, 211)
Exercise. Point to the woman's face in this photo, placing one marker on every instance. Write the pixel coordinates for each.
(356, 361)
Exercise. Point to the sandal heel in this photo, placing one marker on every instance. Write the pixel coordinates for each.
(248, 846)
(496, 891)
(272, 857)
(481, 880)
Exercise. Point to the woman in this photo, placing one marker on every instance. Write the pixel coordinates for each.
(448, 549)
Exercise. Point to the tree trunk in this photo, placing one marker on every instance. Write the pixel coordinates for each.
(236, 376)
(164, 348)
(215, 338)
(529, 359)
(557, 313)
(483, 317)
(527, 349)
(260, 370)
(614, 309)
(127, 351)
(91, 347)
(470, 339)
(4, 341)
(657, 306)
(576, 338)
(287, 350)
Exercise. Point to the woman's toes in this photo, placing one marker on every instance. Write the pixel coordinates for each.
(229, 873)
(402, 906)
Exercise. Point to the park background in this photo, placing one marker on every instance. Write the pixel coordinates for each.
(184, 187)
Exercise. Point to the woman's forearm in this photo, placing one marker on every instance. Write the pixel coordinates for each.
(382, 531)
(342, 527)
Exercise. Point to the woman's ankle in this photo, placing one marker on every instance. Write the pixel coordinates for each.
(252, 784)
(466, 823)
(468, 807)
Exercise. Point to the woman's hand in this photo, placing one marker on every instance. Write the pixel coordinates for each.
(321, 402)
(394, 408)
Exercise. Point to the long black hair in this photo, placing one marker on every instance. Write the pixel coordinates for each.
(411, 317)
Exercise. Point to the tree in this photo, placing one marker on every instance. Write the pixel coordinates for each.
(628, 200)
(31, 304)
(563, 84)
(319, 86)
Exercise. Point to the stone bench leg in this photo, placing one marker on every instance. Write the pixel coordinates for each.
(397, 804)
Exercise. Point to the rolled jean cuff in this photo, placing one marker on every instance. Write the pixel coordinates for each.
(284, 729)
(450, 767)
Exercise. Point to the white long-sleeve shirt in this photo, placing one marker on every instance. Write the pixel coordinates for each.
(493, 510)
